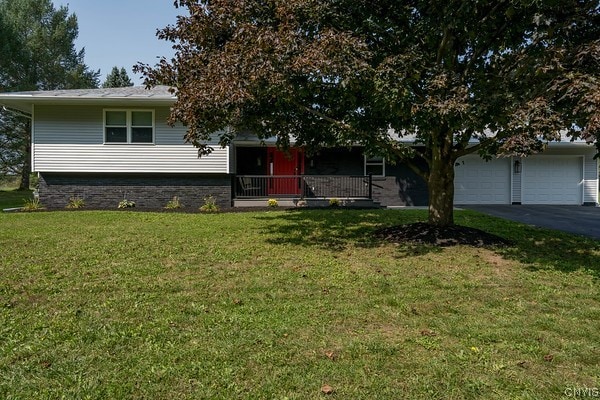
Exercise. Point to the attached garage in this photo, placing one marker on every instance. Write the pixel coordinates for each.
(477, 181)
(552, 180)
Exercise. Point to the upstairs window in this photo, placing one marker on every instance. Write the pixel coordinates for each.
(374, 165)
(128, 126)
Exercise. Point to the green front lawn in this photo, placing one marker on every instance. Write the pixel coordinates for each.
(277, 304)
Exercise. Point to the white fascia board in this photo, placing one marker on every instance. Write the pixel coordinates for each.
(24, 101)
(568, 143)
(112, 101)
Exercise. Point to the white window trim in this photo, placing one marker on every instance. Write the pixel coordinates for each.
(378, 163)
(128, 122)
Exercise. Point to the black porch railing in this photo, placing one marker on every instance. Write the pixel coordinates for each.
(304, 186)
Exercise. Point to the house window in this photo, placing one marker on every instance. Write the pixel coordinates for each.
(374, 165)
(128, 126)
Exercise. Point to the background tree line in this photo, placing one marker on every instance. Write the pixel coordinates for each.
(37, 52)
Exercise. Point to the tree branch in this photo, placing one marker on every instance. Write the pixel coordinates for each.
(486, 142)
(482, 49)
(319, 114)
(442, 46)
(414, 168)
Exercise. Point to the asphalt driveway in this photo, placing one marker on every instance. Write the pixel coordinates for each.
(581, 220)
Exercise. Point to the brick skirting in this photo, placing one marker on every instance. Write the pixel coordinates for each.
(148, 191)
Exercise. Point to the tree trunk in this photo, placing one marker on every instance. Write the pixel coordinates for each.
(440, 184)
(26, 170)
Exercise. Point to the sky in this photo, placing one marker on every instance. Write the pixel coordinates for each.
(121, 32)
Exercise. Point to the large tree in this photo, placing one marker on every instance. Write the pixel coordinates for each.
(37, 52)
(507, 74)
(117, 78)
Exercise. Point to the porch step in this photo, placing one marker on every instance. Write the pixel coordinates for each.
(260, 202)
(308, 202)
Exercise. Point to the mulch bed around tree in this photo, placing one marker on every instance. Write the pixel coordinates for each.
(423, 233)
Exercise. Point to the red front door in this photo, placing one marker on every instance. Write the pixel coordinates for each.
(288, 166)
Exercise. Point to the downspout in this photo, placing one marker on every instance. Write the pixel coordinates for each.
(17, 112)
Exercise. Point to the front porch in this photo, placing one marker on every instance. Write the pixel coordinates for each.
(304, 190)
(263, 172)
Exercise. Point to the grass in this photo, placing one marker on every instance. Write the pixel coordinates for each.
(277, 304)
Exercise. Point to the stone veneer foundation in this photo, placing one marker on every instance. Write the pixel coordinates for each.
(148, 191)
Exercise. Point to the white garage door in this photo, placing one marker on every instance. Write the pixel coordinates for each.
(479, 182)
(552, 180)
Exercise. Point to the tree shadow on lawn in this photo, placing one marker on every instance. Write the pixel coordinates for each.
(338, 229)
(546, 249)
(333, 229)
(540, 248)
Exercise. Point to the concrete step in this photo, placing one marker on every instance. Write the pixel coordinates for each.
(262, 202)
(308, 202)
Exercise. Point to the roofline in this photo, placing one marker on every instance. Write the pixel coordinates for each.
(568, 143)
(20, 96)
(124, 96)
(25, 103)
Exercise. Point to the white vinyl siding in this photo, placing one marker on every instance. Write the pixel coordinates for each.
(165, 134)
(84, 125)
(71, 139)
(590, 181)
(129, 158)
(68, 125)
